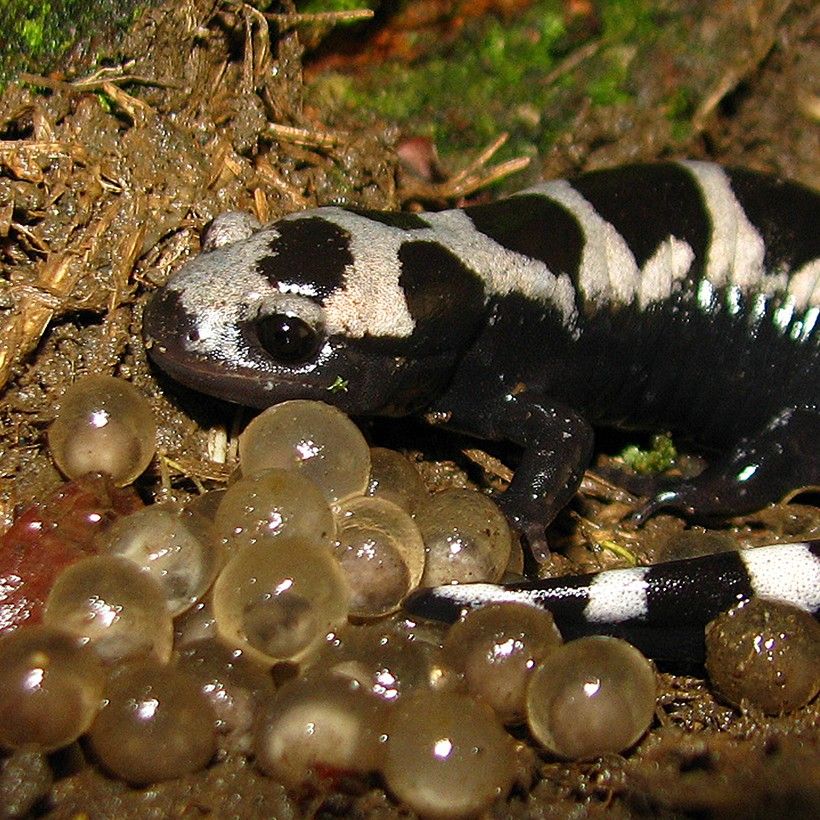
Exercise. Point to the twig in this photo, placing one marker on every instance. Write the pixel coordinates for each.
(301, 136)
(470, 179)
(572, 61)
(97, 81)
(319, 17)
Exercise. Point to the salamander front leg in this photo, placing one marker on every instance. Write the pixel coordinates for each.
(760, 470)
(557, 446)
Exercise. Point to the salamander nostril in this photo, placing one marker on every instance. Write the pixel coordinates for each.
(287, 338)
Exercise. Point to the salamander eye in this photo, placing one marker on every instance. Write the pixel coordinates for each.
(287, 338)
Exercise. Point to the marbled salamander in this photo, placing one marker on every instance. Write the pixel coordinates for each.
(677, 296)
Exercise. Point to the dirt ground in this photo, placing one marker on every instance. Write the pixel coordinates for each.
(108, 171)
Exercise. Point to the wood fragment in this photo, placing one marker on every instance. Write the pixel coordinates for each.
(94, 82)
(572, 61)
(133, 108)
(22, 329)
(470, 179)
(288, 20)
(302, 136)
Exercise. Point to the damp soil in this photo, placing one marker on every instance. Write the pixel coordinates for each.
(109, 170)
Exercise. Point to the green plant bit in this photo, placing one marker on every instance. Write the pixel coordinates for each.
(659, 457)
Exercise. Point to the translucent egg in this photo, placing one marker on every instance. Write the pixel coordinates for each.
(176, 547)
(394, 478)
(428, 636)
(50, 688)
(320, 729)
(50, 534)
(315, 438)
(690, 543)
(497, 648)
(383, 662)
(195, 624)
(765, 652)
(466, 538)
(104, 425)
(111, 603)
(156, 724)
(591, 697)
(279, 604)
(234, 686)
(379, 547)
(447, 755)
(206, 504)
(270, 504)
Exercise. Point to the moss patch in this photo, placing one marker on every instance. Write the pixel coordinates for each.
(493, 78)
(36, 33)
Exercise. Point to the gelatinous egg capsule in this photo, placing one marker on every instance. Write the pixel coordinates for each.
(765, 652)
(447, 755)
(381, 660)
(318, 730)
(379, 547)
(104, 425)
(206, 504)
(279, 604)
(50, 688)
(394, 478)
(195, 624)
(51, 534)
(176, 547)
(315, 438)
(497, 649)
(270, 504)
(591, 697)
(429, 637)
(235, 686)
(156, 724)
(114, 605)
(466, 538)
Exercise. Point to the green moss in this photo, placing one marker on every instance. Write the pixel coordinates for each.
(32, 30)
(105, 102)
(661, 456)
(36, 33)
(492, 79)
(609, 86)
(313, 6)
(680, 107)
(627, 19)
(462, 95)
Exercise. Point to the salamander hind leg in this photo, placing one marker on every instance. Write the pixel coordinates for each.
(760, 470)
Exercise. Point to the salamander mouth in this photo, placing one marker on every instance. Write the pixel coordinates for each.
(170, 336)
(240, 385)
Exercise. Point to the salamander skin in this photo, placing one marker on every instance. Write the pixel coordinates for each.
(661, 609)
(678, 296)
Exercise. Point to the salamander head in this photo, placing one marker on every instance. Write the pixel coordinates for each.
(327, 304)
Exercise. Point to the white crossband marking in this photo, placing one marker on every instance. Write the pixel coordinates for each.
(472, 595)
(618, 595)
(663, 272)
(608, 270)
(219, 304)
(785, 572)
(372, 302)
(736, 248)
